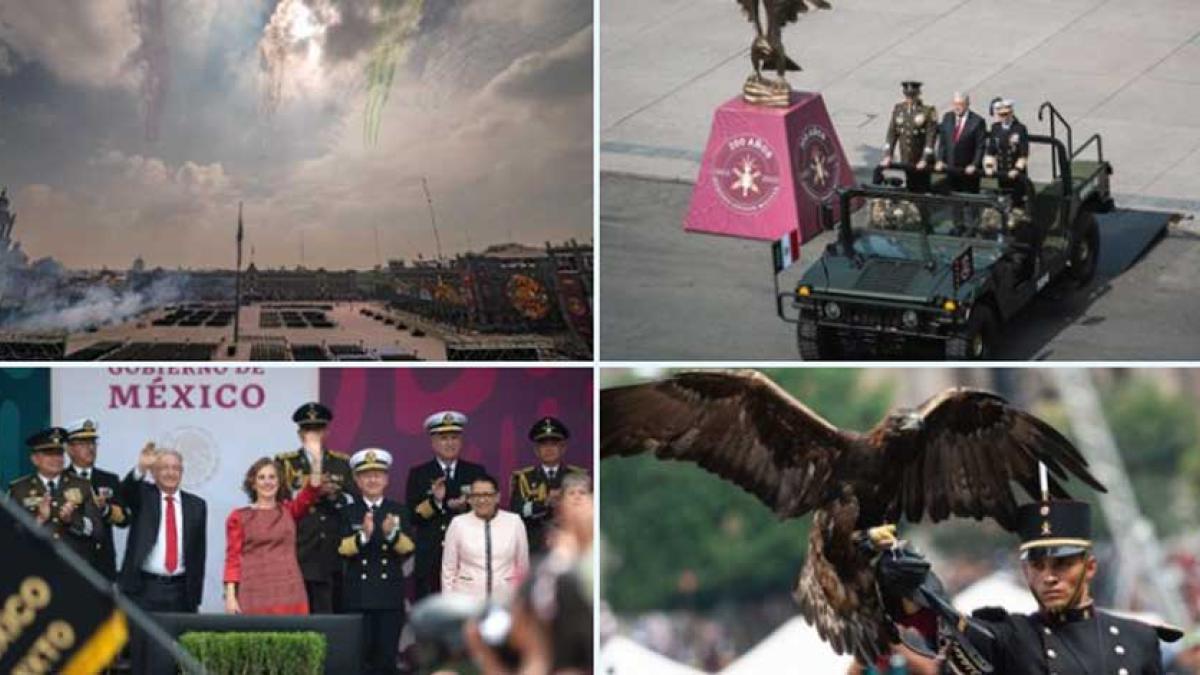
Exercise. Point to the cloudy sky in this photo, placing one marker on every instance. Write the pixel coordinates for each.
(134, 127)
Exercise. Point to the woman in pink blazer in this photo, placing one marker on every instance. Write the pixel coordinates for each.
(486, 550)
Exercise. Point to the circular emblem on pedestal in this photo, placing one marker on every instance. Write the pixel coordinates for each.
(817, 163)
(746, 173)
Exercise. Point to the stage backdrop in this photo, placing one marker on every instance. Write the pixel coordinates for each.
(386, 408)
(221, 419)
(24, 408)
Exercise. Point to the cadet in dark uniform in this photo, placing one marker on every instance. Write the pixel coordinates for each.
(374, 545)
(82, 437)
(61, 503)
(911, 132)
(1068, 635)
(317, 533)
(434, 495)
(1007, 155)
(534, 490)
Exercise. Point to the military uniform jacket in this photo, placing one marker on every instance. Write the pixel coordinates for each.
(373, 577)
(529, 497)
(911, 132)
(317, 533)
(28, 492)
(104, 553)
(1087, 642)
(1009, 146)
(429, 519)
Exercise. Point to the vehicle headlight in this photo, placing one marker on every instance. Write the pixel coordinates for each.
(803, 291)
(833, 310)
(909, 318)
(949, 305)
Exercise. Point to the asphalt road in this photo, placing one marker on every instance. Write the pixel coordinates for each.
(667, 295)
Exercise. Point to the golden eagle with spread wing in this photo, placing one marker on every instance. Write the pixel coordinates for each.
(766, 52)
(955, 455)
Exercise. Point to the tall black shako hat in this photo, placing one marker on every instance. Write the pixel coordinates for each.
(312, 415)
(911, 87)
(1054, 529)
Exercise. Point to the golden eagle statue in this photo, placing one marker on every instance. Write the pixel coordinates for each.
(766, 52)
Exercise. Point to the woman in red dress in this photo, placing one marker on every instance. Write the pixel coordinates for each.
(262, 575)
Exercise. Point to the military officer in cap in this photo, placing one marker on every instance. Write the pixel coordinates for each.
(374, 544)
(58, 501)
(82, 438)
(1007, 155)
(1068, 635)
(317, 532)
(535, 490)
(910, 134)
(434, 494)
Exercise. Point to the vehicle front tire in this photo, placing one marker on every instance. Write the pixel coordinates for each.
(976, 340)
(1085, 253)
(817, 343)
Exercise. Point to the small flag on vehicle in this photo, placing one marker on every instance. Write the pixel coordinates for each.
(786, 251)
(963, 267)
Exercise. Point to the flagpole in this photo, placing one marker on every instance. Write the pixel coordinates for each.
(237, 303)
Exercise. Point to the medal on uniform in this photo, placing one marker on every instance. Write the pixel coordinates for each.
(73, 495)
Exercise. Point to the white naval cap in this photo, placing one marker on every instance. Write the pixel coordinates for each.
(82, 429)
(446, 420)
(370, 458)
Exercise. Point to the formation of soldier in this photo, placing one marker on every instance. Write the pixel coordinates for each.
(343, 569)
(960, 144)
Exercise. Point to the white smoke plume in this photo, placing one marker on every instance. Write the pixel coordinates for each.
(152, 58)
(42, 297)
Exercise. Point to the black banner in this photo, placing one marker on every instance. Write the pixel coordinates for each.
(54, 618)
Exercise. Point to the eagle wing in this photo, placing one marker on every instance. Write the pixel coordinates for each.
(739, 425)
(971, 447)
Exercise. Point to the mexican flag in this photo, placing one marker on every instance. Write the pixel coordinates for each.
(786, 251)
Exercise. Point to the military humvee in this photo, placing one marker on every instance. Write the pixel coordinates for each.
(949, 267)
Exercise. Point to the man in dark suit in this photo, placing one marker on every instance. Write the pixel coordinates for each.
(82, 438)
(317, 532)
(534, 490)
(961, 138)
(374, 546)
(163, 567)
(434, 494)
(60, 502)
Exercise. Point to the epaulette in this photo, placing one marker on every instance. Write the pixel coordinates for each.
(525, 469)
(1167, 632)
(990, 613)
(13, 483)
(290, 454)
(576, 469)
(339, 455)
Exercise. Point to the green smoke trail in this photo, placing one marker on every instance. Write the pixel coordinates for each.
(401, 18)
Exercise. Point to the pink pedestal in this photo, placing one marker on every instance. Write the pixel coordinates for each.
(767, 170)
